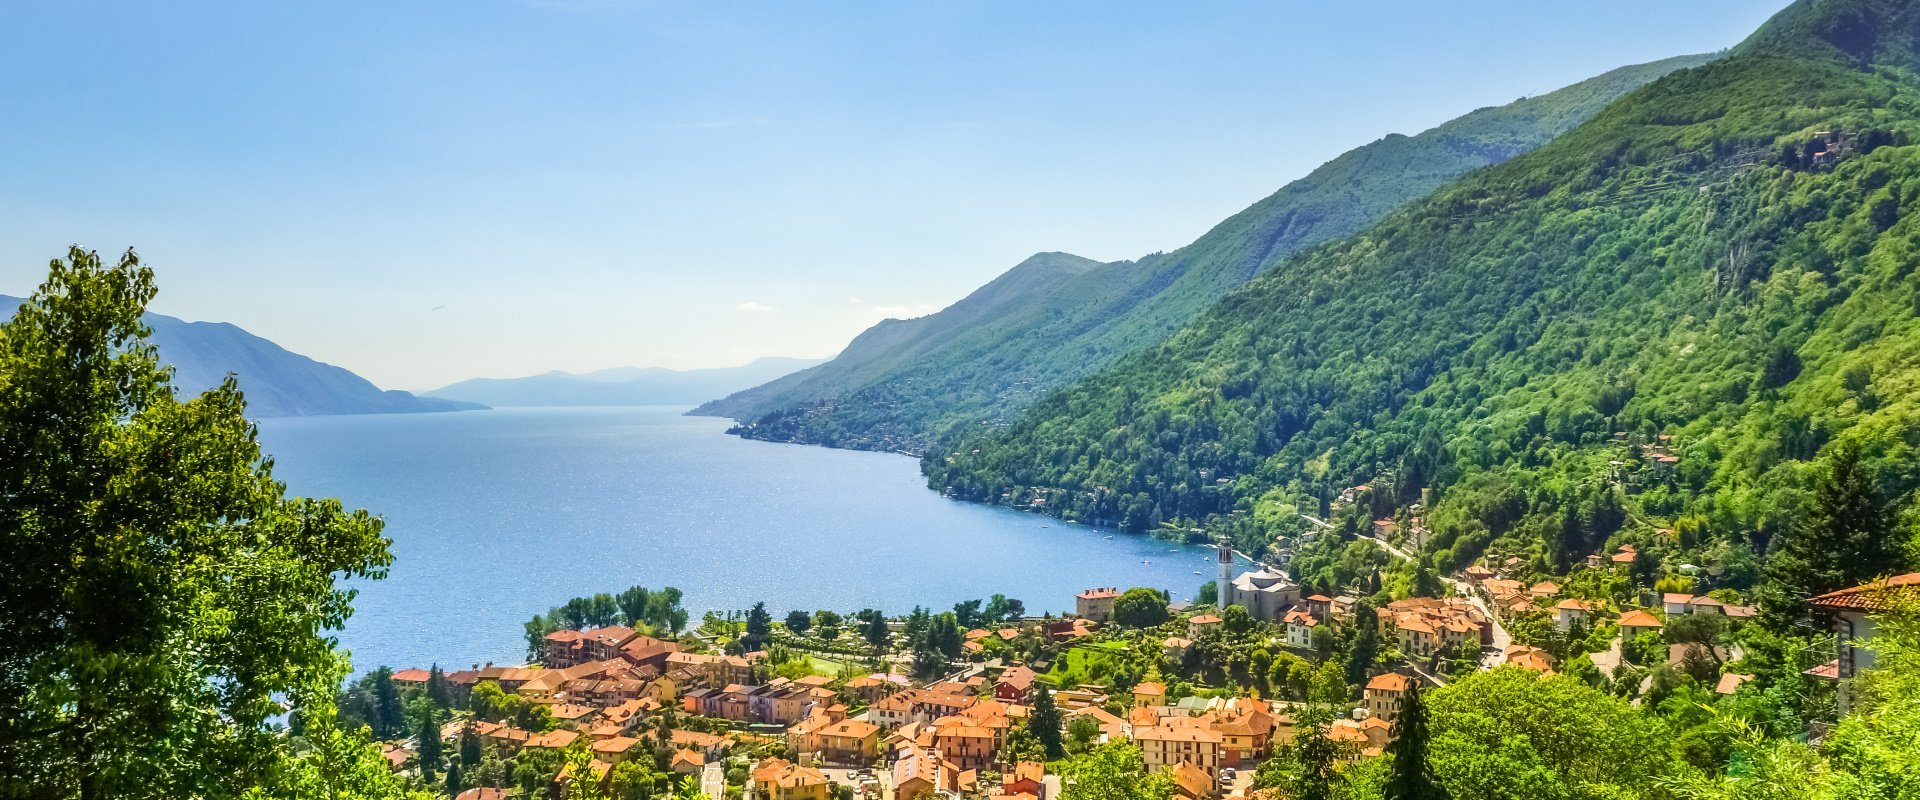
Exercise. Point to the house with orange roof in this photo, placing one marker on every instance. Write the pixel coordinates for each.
(1528, 658)
(850, 742)
(687, 762)
(1149, 693)
(616, 749)
(1014, 685)
(1570, 612)
(1176, 646)
(1112, 728)
(574, 716)
(1672, 603)
(563, 782)
(1636, 622)
(872, 688)
(1026, 778)
(972, 738)
(1416, 636)
(1096, 604)
(1191, 782)
(1852, 612)
(920, 773)
(779, 779)
(1300, 623)
(1246, 732)
(556, 739)
(1625, 556)
(1203, 623)
(412, 677)
(1384, 692)
(1544, 590)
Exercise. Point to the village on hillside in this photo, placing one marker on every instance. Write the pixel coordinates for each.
(986, 702)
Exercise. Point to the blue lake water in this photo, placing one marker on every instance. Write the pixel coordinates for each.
(498, 515)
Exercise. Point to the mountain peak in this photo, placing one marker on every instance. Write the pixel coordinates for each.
(1862, 33)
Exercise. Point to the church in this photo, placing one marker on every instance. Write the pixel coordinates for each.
(1266, 593)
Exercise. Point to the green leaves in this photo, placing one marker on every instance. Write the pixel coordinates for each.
(165, 600)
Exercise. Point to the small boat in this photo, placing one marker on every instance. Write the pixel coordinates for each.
(1196, 572)
(1144, 561)
(1109, 537)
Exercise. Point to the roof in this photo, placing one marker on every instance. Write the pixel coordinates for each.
(1019, 678)
(1571, 604)
(1730, 683)
(1206, 619)
(1170, 733)
(1389, 682)
(1097, 594)
(1676, 598)
(412, 676)
(1149, 688)
(1880, 595)
(1638, 619)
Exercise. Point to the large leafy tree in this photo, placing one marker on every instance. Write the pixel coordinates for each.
(164, 600)
(1511, 733)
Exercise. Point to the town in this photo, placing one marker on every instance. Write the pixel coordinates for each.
(1223, 697)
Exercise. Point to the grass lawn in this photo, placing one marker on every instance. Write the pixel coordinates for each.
(1080, 664)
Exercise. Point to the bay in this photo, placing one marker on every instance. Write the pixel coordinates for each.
(498, 515)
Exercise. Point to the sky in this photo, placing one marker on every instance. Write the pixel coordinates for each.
(424, 192)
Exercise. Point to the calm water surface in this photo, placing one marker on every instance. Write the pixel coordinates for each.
(499, 515)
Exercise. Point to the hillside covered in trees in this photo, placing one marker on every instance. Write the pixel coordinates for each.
(1058, 317)
(1679, 314)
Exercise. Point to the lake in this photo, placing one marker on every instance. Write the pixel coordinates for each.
(498, 515)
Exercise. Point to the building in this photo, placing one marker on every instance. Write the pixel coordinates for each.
(850, 742)
(779, 779)
(1265, 593)
(1636, 622)
(1852, 612)
(1164, 746)
(1014, 685)
(1300, 625)
(1384, 693)
(1570, 612)
(1676, 603)
(1096, 604)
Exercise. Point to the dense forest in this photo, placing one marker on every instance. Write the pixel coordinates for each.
(1057, 317)
(1695, 298)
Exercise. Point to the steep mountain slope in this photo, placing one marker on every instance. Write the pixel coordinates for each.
(905, 383)
(278, 383)
(1725, 257)
(620, 387)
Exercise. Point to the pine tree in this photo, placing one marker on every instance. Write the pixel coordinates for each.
(453, 779)
(1847, 538)
(1412, 778)
(438, 692)
(389, 718)
(469, 745)
(1044, 722)
(429, 751)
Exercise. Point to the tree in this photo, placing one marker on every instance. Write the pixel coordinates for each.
(1236, 620)
(1001, 608)
(636, 605)
(1044, 722)
(438, 691)
(1081, 733)
(799, 621)
(1140, 608)
(162, 592)
(1209, 593)
(1306, 768)
(1113, 771)
(1366, 642)
(454, 781)
(873, 628)
(388, 714)
(1846, 539)
(1510, 732)
(470, 752)
(1411, 778)
(429, 746)
(759, 627)
(968, 612)
(536, 631)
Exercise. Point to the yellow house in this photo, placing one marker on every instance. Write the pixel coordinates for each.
(779, 779)
(1149, 693)
(850, 742)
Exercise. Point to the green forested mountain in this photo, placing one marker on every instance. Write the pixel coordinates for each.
(1057, 317)
(1725, 257)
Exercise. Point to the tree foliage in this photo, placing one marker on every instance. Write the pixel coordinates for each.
(164, 599)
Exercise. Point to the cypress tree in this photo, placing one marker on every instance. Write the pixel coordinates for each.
(1044, 723)
(429, 747)
(1412, 778)
(438, 691)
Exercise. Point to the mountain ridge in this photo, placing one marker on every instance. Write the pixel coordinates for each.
(620, 385)
(277, 382)
(948, 377)
(1686, 303)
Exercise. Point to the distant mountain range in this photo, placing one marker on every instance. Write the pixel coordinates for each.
(621, 386)
(1057, 318)
(277, 382)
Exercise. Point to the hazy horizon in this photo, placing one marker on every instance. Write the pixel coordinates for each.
(448, 191)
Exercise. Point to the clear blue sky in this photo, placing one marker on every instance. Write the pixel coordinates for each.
(424, 192)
